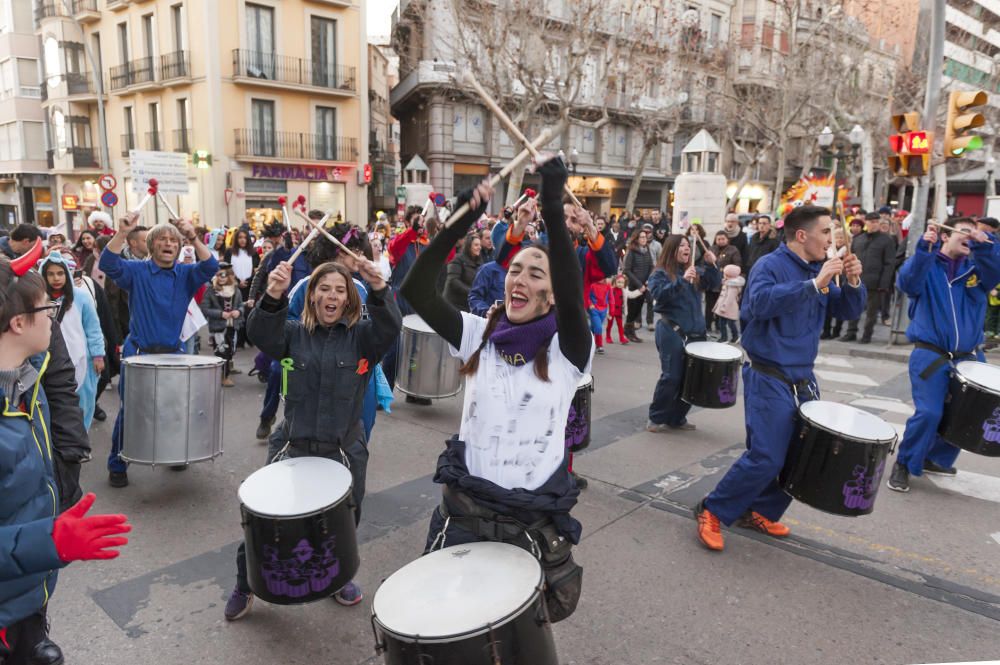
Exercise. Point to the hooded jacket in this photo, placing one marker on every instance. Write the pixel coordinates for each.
(679, 300)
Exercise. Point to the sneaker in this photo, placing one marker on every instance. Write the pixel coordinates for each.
(264, 429)
(99, 414)
(656, 427)
(758, 522)
(849, 337)
(899, 480)
(581, 482)
(686, 427)
(709, 528)
(349, 595)
(865, 340)
(118, 479)
(935, 468)
(623, 341)
(238, 605)
(227, 382)
(600, 350)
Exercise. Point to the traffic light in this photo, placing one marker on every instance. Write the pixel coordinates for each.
(961, 118)
(911, 147)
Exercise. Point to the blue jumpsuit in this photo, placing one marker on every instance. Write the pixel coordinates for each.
(947, 310)
(782, 316)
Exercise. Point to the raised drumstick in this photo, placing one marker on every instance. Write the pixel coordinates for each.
(329, 236)
(150, 193)
(952, 228)
(529, 193)
(163, 200)
(282, 201)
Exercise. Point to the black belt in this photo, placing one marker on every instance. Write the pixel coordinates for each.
(485, 523)
(687, 337)
(775, 373)
(943, 358)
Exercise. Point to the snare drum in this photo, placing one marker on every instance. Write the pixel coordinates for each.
(578, 422)
(971, 418)
(173, 408)
(298, 524)
(425, 366)
(836, 458)
(474, 604)
(711, 374)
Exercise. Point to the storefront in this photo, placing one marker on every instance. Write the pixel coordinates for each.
(754, 197)
(325, 188)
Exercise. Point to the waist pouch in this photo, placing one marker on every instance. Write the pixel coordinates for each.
(563, 576)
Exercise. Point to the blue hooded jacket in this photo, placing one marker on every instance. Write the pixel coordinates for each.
(487, 288)
(949, 313)
(679, 300)
(29, 504)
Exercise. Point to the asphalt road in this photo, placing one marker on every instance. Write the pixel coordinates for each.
(918, 581)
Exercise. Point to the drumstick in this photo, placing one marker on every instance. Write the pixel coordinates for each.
(529, 193)
(542, 139)
(427, 206)
(952, 228)
(150, 193)
(282, 201)
(309, 238)
(509, 125)
(329, 236)
(163, 200)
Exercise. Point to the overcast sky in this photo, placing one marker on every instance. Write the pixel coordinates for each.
(379, 17)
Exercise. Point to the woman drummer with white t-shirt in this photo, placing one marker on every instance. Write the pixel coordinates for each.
(505, 475)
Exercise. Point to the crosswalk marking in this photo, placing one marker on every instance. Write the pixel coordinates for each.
(846, 377)
(976, 485)
(884, 405)
(833, 361)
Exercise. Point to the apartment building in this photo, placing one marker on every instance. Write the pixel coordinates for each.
(383, 142)
(267, 98)
(25, 193)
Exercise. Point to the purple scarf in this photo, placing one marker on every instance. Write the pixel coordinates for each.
(951, 265)
(518, 343)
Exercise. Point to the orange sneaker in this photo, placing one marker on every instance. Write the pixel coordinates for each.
(709, 529)
(760, 523)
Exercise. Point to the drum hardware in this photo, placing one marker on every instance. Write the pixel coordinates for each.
(425, 367)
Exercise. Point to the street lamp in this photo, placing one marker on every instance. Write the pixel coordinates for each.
(991, 165)
(835, 149)
(574, 158)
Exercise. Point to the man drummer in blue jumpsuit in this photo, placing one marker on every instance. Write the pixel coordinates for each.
(785, 304)
(160, 291)
(948, 286)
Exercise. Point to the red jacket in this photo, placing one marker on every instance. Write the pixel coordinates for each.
(616, 302)
(598, 296)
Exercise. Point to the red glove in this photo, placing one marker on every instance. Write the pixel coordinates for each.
(80, 538)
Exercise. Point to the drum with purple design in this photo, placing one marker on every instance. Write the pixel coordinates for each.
(298, 524)
(711, 374)
(971, 417)
(578, 421)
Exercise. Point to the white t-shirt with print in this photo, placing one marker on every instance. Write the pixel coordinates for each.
(513, 423)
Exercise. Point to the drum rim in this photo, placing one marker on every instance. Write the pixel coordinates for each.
(740, 358)
(300, 516)
(966, 379)
(846, 437)
(142, 360)
(339, 500)
(458, 637)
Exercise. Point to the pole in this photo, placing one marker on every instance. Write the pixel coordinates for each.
(935, 57)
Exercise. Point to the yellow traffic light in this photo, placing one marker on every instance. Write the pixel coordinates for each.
(961, 118)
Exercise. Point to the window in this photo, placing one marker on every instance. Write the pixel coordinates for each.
(148, 35)
(262, 117)
(680, 140)
(96, 46)
(7, 81)
(177, 26)
(53, 67)
(123, 49)
(9, 148)
(34, 140)
(260, 40)
(182, 142)
(128, 138)
(324, 52)
(468, 124)
(714, 29)
(59, 131)
(326, 133)
(153, 142)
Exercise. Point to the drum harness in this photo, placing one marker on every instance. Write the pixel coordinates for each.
(948, 357)
(805, 385)
(677, 329)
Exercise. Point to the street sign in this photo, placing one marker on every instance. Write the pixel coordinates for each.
(107, 181)
(70, 202)
(109, 198)
(169, 169)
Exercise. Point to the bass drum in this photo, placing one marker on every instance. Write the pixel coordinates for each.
(298, 525)
(711, 374)
(836, 458)
(578, 422)
(173, 408)
(474, 604)
(425, 367)
(971, 418)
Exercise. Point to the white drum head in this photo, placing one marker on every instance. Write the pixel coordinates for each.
(847, 420)
(457, 591)
(586, 380)
(297, 486)
(172, 360)
(416, 324)
(713, 351)
(985, 376)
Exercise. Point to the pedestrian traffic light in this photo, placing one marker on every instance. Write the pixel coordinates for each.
(911, 147)
(961, 118)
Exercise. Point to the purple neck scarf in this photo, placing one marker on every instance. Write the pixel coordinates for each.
(518, 343)
(951, 265)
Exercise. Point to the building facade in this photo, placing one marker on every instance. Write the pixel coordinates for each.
(383, 141)
(25, 193)
(266, 98)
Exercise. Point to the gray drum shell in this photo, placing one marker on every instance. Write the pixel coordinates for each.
(173, 409)
(425, 366)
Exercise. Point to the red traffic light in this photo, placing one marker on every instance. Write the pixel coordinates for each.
(918, 143)
(367, 173)
(896, 142)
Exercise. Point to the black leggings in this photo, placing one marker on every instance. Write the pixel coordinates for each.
(635, 308)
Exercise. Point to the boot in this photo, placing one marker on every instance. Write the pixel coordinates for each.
(608, 340)
(630, 333)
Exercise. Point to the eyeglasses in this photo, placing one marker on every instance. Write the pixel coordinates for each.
(51, 310)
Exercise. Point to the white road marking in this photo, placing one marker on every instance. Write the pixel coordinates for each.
(996, 537)
(894, 406)
(976, 485)
(833, 361)
(846, 377)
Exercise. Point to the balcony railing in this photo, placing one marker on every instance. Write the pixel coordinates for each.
(295, 145)
(153, 141)
(182, 140)
(84, 6)
(46, 10)
(80, 158)
(175, 65)
(132, 73)
(285, 69)
(128, 143)
(79, 84)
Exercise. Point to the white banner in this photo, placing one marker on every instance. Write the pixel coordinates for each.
(170, 169)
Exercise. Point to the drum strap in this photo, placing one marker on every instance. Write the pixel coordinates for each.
(677, 329)
(944, 357)
(804, 386)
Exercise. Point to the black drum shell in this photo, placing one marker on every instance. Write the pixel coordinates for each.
(578, 423)
(969, 411)
(704, 379)
(284, 534)
(524, 640)
(822, 470)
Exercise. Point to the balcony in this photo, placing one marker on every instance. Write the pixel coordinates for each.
(175, 67)
(117, 5)
(128, 143)
(134, 76)
(44, 10)
(153, 141)
(183, 140)
(334, 3)
(295, 146)
(279, 71)
(86, 11)
(74, 86)
(72, 158)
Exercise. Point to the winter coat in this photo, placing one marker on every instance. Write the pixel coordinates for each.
(461, 274)
(638, 267)
(760, 247)
(678, 300)
(70, 441)
(29, 503)
(728, 304)
(214, 304)
(487, 288)
(726, 256)
(616, 302)
(877, 253)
